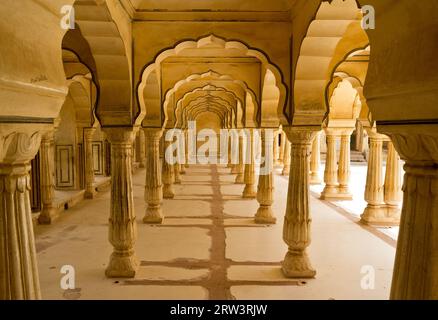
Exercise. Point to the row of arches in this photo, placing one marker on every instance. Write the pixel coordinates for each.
(333, 73)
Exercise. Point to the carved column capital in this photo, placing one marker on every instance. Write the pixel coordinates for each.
(89, 133)
(120, 135)
(416, 147)
(153, 133)
(19, 147)
(301, 136)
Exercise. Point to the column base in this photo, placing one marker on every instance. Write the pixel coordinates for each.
(337, 197)
(168, 192)
(381, 216)
(296, 264)
(265, 215)
(47, 216)
(90, 194)
(240, 179)
(315, 179)
(249, 192)
(285, 171)
(183, 170)
(333, 193)
(122, 265)
(234, 169)
(142, 165)
(177, 181)
(186, 165)
(153, 215)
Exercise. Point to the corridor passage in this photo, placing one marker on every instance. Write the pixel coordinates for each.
(210, 248)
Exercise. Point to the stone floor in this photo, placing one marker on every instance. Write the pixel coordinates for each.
(209, 248)
(355, 207)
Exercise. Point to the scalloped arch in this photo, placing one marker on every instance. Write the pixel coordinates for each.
(334, 33)
(218, 42)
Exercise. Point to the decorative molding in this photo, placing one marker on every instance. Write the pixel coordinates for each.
(64, 166)
(97, 148)
(20, 119)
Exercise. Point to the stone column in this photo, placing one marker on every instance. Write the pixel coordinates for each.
(133, 156)
(249, 191)
(186, 147)
(48, 212)
(392, 191)
(344, 167)
(286, 160)
(265, 189)
(415, 274)
(89, 163)
(276, 150)
(153, 186)
(282, 146)
(18, 262)
(230, 163)
(168, 176)
(297, 221)
(122, 222)
(240, 167)
(330, 172)
(359, 137)
(375, 212)
(141, 156)
(315, 160)
(177, 173)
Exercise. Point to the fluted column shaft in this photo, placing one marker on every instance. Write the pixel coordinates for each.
(186, 147)
(315, 160)
(141, 156)
(375, 212)
(282, 146)
(276, 149)
(48, 212)
(297, 221)
(393, 194)
(415, 274)
(177, 173)
(249, 192)
(122, 221)
(241, 165)
(286, 160)
(89, 163)
(153, 185)
(344, 167)
(168, 175)
(19, 278)
(133, 155)
(330, 171)
(230, 163)
(265, 188)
